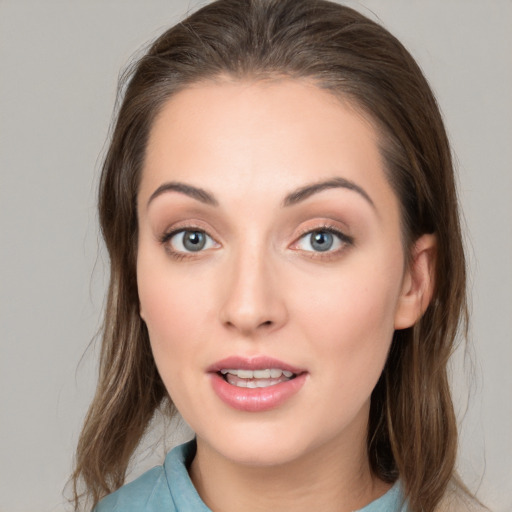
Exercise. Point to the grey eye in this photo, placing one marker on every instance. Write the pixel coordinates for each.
(191, 241)
(321, 240)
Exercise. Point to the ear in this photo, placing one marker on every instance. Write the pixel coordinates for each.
(418, 283)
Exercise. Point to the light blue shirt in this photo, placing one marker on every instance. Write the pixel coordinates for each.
(168, 488)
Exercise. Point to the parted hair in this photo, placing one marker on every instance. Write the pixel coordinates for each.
(412, 433)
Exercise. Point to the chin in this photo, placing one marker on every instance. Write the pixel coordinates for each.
(263, 445)
(261, 453)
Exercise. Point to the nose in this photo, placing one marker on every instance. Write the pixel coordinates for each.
(254, 299)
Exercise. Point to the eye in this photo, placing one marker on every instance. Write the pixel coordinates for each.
(189, 240)
(322, 240)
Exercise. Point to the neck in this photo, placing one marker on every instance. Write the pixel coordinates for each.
(332, 478)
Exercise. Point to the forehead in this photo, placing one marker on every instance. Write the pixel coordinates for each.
(261, 137)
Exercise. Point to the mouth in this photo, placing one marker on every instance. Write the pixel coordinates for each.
(256, 378)
(255, 384)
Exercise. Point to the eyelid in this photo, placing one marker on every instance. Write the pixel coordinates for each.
(168, 234)
(184, 225)
(345, 240)
(323, 226)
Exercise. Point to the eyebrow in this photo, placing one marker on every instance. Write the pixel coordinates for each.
(291, 199)
(194, 192)
(307, 191)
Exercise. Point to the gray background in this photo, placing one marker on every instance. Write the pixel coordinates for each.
(59, 62)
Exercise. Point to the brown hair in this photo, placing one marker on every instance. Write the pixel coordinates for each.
(412, 427)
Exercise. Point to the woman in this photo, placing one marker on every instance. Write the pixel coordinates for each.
(279, 207)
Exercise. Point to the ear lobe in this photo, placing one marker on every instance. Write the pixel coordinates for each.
(418, 283)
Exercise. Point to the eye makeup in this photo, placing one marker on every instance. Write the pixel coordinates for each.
(326, 242)
(187, 240)
(321, 241)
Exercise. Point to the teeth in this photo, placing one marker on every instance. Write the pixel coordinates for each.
(272, 373)
(256, 378)
(261, 374)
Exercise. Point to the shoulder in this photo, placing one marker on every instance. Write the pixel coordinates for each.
(146, 493)
(166, 487)
(460, 505)
(458, 499)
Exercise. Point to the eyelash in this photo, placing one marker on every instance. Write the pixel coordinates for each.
(180, 255)
(345, 240)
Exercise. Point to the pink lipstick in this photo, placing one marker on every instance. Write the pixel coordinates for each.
(255, 384)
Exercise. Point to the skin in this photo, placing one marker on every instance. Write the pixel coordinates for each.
(259, 287)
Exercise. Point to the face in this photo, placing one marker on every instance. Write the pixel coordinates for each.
(269, 246)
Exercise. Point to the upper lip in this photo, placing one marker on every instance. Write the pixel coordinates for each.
(252, 363)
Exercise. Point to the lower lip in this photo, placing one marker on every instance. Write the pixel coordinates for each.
(256, 399)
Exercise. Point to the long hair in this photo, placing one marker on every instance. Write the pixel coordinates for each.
(412, 433)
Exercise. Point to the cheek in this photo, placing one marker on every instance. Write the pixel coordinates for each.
(350, 319)
(361, 298)
(170, 306)
(171, 310)
(167, 307)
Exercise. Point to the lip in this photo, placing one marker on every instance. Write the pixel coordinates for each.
(252, 363)
(255, 399)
